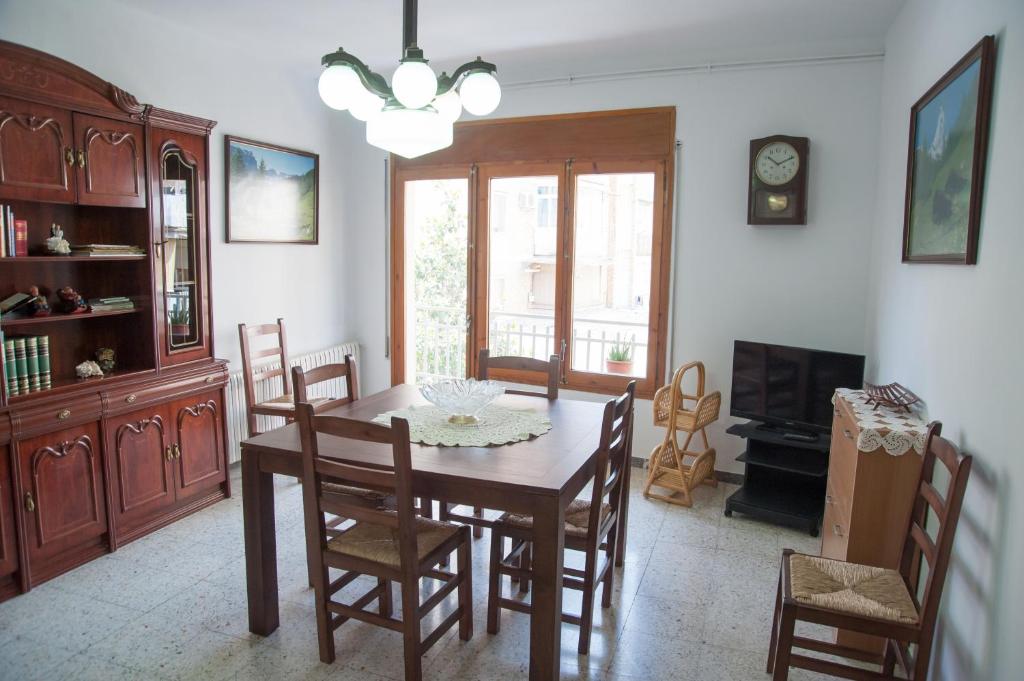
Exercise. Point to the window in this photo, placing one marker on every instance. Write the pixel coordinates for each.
(566, 257)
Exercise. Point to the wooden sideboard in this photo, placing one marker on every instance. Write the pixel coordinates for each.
(868, 499)
(90, 464)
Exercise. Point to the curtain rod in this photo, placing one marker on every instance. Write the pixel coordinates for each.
(708, 67)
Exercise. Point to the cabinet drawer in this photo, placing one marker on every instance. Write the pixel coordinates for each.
(843, 454)
(127, 399)
(55, 414)
(835, 532)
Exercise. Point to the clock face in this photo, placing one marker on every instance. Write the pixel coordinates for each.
(777, 163)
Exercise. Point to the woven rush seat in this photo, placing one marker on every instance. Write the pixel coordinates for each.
(577, 518)
(379, 543)
(287, 402)
(850, 587)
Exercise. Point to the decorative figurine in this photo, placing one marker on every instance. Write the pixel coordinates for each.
(37, 306)
(70, 302)
(57, 244)
(88, 369)
(105, 359)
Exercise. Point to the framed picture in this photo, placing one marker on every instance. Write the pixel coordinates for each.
(946, 162)
(272, 193)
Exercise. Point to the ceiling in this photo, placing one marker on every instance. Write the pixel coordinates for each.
(530, 39)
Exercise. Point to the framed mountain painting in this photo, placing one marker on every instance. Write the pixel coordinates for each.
(946, 162)
(272, 193)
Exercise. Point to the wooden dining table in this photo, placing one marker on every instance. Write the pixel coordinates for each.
(538, 476)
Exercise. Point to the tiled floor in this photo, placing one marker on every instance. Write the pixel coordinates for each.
(693, 601)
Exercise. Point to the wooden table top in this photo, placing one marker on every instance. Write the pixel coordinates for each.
(548, 464)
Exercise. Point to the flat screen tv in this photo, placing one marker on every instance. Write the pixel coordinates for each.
(790, 387)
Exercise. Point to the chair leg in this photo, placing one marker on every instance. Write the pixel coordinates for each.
(443, 507)
(787, 622)
(426, 507)
(386, 606)
(411, 630)
(494, 582)
(587, 609)
(775, 627)
(889, 659)
(464, 570)
(610, 555)
(324, 630)
(524, 563)
(704, 437)
(478, 512)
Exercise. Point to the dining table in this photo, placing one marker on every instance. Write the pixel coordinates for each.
(538, 476)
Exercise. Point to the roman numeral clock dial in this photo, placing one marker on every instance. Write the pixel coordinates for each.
(778, 181)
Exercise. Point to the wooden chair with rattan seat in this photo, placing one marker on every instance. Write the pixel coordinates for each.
(871, 600)
(390, 545)
(591, 526)
(673, 466)
(518, 368)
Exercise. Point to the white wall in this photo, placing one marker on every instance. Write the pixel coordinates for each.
(801, 286)
(250, 94)
(953, 333)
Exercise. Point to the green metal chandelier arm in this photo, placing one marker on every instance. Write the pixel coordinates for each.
(374, 82)
(446, 82)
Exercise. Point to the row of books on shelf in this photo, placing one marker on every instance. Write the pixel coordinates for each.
(15, 233)
(111, 304)
(27, 364)
(106, 250)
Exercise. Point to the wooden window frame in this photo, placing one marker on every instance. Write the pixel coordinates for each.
(624, 141)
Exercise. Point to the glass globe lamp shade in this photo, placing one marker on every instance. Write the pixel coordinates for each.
(480, 93)
(338, 86)
(409, 132)
(365, 105)
(414, 84)
(448, 105)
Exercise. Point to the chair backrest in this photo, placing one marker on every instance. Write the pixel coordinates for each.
(612, 458)
(302, 379)
(551, 369)
(706, 406)
(317, 470)
(945, 511)
(254, 361)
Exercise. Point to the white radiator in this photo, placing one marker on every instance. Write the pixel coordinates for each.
(238, 428)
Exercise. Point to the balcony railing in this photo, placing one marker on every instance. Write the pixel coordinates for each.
(441, 341)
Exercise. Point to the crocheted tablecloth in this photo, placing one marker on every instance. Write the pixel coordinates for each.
(497, 426)
(895, 431)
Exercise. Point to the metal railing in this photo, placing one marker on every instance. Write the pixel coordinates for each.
(441, 340)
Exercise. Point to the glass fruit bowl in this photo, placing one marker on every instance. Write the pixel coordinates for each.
(461, 398)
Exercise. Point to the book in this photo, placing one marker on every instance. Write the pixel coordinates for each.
(44, 363)
(21, 366)
(13, 302)
(32, 363)
(3, 231)
(21, 238)
(10, 367)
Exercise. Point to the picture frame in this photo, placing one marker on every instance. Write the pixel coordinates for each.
(272, 193)
(947, 152)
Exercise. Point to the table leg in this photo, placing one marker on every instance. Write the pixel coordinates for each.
(260, 545)
(546, 617)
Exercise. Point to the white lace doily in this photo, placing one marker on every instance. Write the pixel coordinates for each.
(497, 426)
(895, 431)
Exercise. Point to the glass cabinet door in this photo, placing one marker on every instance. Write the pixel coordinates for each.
(178, 195)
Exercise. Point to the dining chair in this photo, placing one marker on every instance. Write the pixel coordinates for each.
(673, 466)
(264, 364)
(389, 545)
(591, 526)
(872, 600)
(523, 367)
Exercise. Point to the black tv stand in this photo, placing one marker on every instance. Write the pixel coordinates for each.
(784, 479)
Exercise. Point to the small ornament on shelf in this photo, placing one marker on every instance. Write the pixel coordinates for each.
(106, 359)
(88, 369)
(37, 306)
(70, 302)
(56, 244)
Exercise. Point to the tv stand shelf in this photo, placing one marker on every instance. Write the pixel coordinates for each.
(784, 479)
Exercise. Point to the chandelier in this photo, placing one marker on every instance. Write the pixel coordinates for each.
(415, 115)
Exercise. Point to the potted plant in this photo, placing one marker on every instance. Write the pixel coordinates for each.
(620, 358)
(179, 322)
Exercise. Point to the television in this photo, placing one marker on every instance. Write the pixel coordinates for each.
(790, 387)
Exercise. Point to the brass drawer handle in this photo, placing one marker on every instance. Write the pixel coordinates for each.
(69, 156)
(131, 399)
(837, 530)
(81, 158)
(177, 450)
(210, 379)
(848, 434)
(30, 503)
(828, 499)
(167, 453)
(63, 414)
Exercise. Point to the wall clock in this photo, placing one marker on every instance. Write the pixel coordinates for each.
(778, 181)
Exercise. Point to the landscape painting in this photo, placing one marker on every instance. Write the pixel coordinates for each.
(947, 158)
(271, 193)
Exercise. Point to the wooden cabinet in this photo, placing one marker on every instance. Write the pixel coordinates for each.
(139, 460)
(109, 162)
(199, 447)
(62, 496)
(36, 152)
(8, 543)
